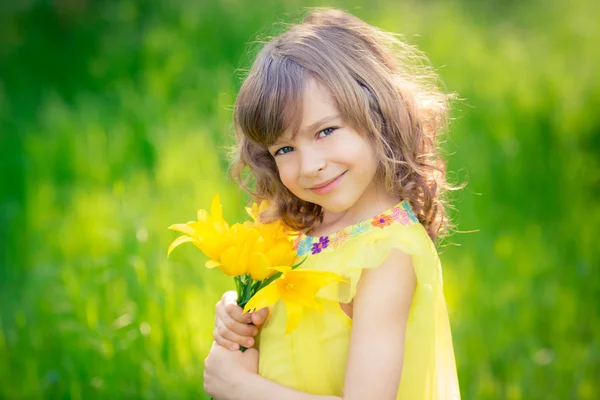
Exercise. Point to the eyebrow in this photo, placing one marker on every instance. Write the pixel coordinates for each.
(311, 127)
(318, 123)
(314, 125)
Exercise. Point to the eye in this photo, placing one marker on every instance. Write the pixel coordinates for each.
(283, 150)
(326, 132)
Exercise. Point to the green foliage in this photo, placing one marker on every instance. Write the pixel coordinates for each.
(114, 122)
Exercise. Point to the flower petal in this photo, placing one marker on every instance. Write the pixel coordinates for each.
(202, 216)
(185, 229)
(250, 212)
(265, 297)
(177, 242)
(300, 296)
(281, 254)
(282, 268)
(258, 267)
(232, 263)
(294, 314)
(212, 264)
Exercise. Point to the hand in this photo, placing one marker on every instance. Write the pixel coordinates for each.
(225, 371)
(233, 328)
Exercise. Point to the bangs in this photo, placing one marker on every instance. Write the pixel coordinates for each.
(270, 100)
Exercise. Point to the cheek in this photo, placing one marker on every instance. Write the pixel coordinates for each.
(287, 175)
(368, 153)
(357, 152)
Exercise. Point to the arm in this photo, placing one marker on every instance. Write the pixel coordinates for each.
(233, 375)
(258, 388)
(381, 307)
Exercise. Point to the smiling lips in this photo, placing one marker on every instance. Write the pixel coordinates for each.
(328, 186)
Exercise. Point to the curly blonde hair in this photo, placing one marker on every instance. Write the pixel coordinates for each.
(381, 86)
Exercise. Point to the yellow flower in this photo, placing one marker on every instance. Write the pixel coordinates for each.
(245, 252)
(249, 248)
(297, 289)
(254, 251)
(257, 209)
(209, 233)
(276, 248)
(275, 228)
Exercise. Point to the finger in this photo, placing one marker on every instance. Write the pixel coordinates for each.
(229, 297)
(222, 333)
(251, 356)
(225, 323)
(237, 313)
(240, 328)
(251, 353)
(260, 316)
(225, 343)
(228, 306)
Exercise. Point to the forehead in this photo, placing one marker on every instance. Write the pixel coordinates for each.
(317, 104)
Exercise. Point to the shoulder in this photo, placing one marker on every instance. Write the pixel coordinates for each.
(390, 286)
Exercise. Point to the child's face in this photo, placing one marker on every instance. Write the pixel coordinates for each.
(328, 162)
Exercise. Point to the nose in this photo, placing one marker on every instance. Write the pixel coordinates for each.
(312, 163)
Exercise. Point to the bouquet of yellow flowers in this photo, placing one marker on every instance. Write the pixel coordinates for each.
(259, 257)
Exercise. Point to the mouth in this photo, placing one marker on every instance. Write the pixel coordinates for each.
(329, 185)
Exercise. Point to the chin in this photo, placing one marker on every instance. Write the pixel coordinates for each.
(336, 205)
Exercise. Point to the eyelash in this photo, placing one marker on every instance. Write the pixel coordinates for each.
(279, 153)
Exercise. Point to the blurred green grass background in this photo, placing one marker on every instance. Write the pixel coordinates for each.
(114, 122)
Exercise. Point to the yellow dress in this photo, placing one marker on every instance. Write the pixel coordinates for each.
(312, 358)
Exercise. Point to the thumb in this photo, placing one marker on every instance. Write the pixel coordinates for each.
(251, 354)
(260, 316)
(249, 359)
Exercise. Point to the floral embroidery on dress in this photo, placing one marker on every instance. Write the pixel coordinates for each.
(411, 215)
(339, 239)
(402, 213)
(382, 221)
(359, 228)
(323, 243)
(304, 246)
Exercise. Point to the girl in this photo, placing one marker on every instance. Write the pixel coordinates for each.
(338, 123)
